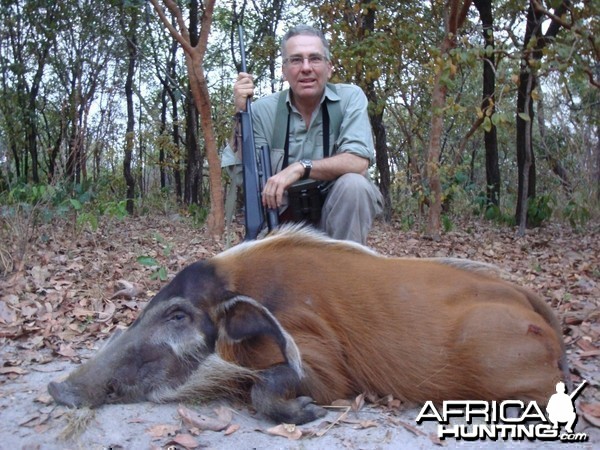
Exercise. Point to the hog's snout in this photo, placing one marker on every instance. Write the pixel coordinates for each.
(65, 393)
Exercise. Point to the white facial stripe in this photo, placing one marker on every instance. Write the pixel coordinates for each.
(183, 348)
(211, 380)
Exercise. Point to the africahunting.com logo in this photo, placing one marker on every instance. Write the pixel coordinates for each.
(511, 419)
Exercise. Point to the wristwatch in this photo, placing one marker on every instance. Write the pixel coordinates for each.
(307, 164)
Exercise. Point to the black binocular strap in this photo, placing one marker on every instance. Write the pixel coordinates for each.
(286, 148)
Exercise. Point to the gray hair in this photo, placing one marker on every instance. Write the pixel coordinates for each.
(305, 30)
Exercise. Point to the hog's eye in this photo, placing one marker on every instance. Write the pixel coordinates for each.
(178, 316)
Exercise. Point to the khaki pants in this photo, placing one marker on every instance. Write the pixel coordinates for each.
(352, 204)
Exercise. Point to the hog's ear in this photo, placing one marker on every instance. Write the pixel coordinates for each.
(244, 318)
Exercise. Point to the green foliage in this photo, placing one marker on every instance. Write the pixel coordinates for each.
(539, 210)
(447, 223)
(391, 49)
(160, 272)
(576, 213)
(198, 214)
(167, 247)
(62, 201)
(491, 212)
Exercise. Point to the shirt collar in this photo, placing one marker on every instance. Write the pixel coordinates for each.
(328, 94)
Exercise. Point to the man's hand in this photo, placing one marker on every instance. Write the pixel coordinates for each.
(243, 89)
(323, 169)
(272, 196)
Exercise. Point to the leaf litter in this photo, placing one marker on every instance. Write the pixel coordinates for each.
(77, 288)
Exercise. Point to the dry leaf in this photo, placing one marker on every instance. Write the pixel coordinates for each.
(66, 350)
(414, 430)
(342, 403)
(231, 429)
(363, 424)
(193, 419)
(185, 440)
(358, 402)
(108, 313)
(12, 370)
(39, 275)
(591, 412)
(44, 399)
(589, 353)
(162, 430)
(7, 315)
(286, 430)
(128, 290)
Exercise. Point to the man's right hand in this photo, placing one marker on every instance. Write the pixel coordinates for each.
(243, 89)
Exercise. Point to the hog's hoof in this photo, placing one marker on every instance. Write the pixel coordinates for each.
(310, 410)
(297, 411)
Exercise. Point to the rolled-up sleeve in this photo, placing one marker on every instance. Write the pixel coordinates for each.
(355, 135)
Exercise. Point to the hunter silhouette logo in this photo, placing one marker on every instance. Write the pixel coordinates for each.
(509, 419)
(561, 406)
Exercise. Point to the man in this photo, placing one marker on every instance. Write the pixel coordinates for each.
(352, 200)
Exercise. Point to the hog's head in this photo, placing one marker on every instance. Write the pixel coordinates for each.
(159, 356)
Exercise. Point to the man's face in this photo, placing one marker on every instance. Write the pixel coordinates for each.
(307, 79)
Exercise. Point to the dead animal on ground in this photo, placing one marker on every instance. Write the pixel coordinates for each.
(298, 320)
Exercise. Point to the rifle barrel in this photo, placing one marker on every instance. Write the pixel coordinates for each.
(243, 60)
(577, 389)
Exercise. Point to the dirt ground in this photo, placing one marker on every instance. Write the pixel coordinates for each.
(63, 304)
(30, 420)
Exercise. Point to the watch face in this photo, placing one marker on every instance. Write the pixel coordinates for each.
(307, 164)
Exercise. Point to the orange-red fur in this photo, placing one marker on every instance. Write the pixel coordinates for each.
(417, 329)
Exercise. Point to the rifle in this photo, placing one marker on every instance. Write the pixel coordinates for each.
(256, 170)
(575, 393)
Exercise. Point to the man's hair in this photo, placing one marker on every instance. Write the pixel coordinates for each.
(305, 30)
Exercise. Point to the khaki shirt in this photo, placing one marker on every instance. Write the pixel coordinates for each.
(306, 140)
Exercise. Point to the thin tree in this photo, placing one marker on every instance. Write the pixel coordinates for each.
(194, 57)
(492, 169)
(455, 16)
(533, 44)
(130, 33)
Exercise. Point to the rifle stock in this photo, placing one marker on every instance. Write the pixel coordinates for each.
(255, 172)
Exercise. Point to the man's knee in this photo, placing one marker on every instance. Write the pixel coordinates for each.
(353, 187)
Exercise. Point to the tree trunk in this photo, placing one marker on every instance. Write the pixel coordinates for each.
(192, 169)
(527, 82)
(596, 175)
(528, 159)
(176, 140)
(492, 169)
(194, 57)
(527, 78)
(383, 164)
(379, 133)
(456, 13)
(192, 166)
(162, 162)
(130, 37)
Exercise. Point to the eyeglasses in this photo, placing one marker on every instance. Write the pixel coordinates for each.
(298, 61)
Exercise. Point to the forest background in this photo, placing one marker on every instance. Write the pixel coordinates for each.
(485, 116)
(121, 107)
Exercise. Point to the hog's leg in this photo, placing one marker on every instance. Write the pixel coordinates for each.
(276, 396)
